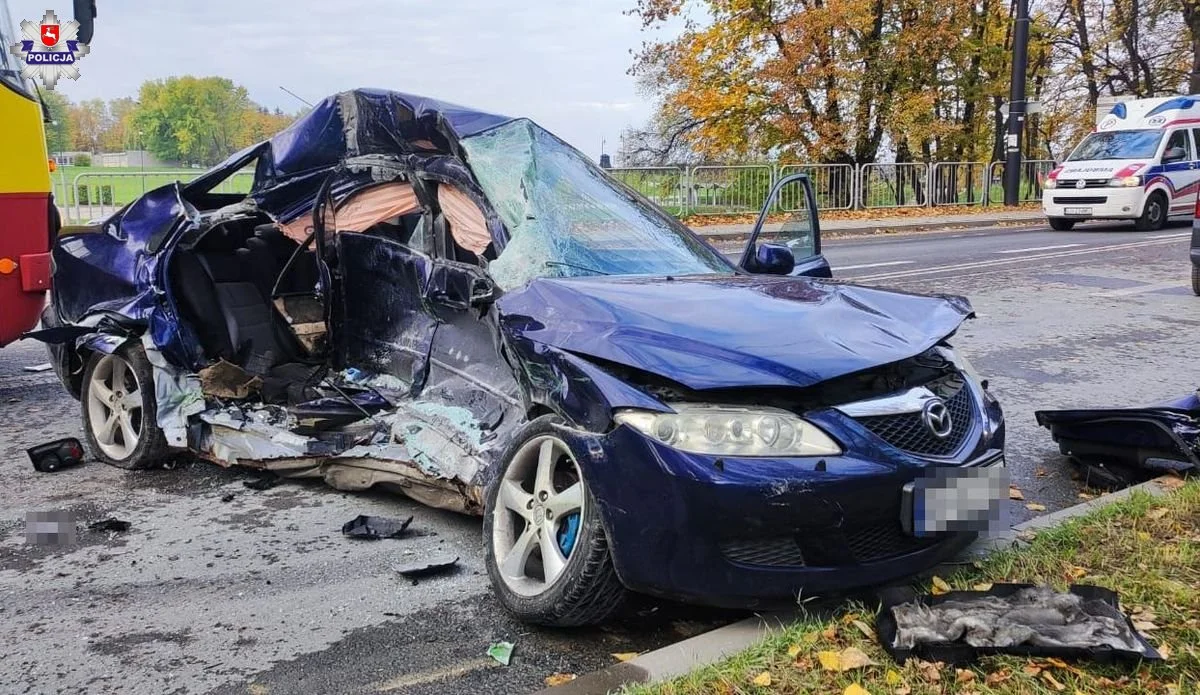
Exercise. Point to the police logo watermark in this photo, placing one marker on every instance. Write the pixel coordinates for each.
(50, 50)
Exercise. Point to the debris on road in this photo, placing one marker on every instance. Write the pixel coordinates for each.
(56, 455)
(43, 367)
(228, 498)
(375, 527)
(1017, 619)
(266, 481)
(556, 679)
(110, 524)
(501, 652)
(428, 567)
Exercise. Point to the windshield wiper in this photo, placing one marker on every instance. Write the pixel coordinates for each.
(551, 264)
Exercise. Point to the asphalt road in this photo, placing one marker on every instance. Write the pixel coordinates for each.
(262, 594)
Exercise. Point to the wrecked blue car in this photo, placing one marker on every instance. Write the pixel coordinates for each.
(460, 306)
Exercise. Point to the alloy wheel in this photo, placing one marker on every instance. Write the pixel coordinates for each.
(537, 515)
(114, 401)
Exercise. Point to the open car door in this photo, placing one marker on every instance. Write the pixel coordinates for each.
(787, 236)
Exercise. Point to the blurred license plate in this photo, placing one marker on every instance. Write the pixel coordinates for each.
(1077, 211)
(953, 500)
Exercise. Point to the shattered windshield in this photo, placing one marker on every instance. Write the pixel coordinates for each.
(566, 217)
(10, 67)
(1121, 144)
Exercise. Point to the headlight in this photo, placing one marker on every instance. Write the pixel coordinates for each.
(731, 431)
(1126, 182)
(1050, 183)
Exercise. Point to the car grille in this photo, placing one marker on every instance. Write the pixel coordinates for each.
(907, 431)
(1091, 183)
(1081, 200)
(767, 552)
(837, 547)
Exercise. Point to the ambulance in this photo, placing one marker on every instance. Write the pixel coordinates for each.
(1140, 164)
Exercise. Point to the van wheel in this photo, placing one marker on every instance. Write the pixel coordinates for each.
(1060, 224)
(544, 545)
(1154, 215)
(119, 409)
(1196, 281)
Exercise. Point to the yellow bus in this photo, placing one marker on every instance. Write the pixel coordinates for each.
(28, 219)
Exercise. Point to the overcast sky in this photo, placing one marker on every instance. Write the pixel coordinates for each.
(561, 62)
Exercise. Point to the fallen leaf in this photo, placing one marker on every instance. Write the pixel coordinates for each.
(762, 680)
(1041, 472)
(559, 678)
(997, 677)
(624, 656)
(1014, 493)
(1170, 482)
(964, 675)
(1049, 678)
(902, 690)
(1086, 496)
(1144, 626)
(855, 689)
(794, 650)
(810, 638)
(1156, 513)
(985, 586)
(1032, 670)
(830, 633)
(865, 629)
(1165, 650)
(892, 678)
(1077, 572)
(256, 689)
(940, 586)
(930, 671)
(501, 652)
(1035, 507)
(846, 660)
(1143, 536)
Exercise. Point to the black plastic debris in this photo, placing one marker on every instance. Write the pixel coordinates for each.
(56, 455)
(110, 524)
(375, 527)
(1025, 620)
(263, 482)
(227, 498)
(427, 567)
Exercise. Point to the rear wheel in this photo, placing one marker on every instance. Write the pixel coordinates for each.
(1154, 215)
(544, 545)
(119, 409)
(1060, 224)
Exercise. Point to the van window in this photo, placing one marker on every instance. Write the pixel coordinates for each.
(1118, 144)
(1179, 138)
(1195, 141)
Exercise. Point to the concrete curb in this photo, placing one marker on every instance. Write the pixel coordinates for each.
(702, 650)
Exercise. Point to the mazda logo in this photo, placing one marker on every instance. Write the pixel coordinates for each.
(936, 417)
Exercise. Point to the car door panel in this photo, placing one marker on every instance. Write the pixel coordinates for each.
(789, 218)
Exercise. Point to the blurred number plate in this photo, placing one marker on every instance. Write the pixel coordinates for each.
(948, 499)
(1077, 211)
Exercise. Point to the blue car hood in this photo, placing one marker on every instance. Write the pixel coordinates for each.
(709, 332)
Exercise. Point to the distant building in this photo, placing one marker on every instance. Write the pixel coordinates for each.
(132, 158)
(67, 159)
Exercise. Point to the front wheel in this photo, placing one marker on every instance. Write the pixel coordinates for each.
(1154, 215)
(1060, 224)
(1196, 281)
(544, 545)
(119, 409)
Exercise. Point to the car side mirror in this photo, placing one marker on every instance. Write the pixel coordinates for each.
(1174, 154)
(483, 291)
(773, 259)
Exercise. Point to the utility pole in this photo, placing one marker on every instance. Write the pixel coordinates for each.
(1016, 105)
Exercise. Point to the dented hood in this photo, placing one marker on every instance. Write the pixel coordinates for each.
(711, 332)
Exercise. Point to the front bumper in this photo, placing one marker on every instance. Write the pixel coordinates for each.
(754, 533)
(1103, 203)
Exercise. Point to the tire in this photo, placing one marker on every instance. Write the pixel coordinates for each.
(586, 590)
(121, 430)
(1154, 215)
(1196, 281)
(1060, 224)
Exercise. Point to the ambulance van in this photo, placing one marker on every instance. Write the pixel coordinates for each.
(1140, 164)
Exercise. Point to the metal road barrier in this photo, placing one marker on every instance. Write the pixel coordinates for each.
(94, 195)
(1033, 174)
(893, 185)
(663, 186)
(833, 184)
(959, 183)
(728, 190)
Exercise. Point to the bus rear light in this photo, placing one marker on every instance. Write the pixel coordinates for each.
(7, 266)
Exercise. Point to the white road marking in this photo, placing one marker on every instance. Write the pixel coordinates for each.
(980, 265)
(1129, 291)
(873, 265)
(1041, 248)
(1169, 236)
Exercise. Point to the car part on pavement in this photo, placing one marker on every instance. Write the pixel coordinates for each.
(56, 455)
(451, 304)
(1119, 447)
(375, 527)
(1014, 619)
(110, 524)
(427, 567)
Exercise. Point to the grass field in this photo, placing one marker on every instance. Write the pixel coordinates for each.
(116, 186)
